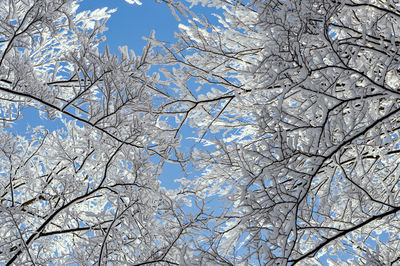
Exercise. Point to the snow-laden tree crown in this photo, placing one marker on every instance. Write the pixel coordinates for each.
(295, 109)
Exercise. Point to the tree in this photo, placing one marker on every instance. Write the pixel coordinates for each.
(295, 108)
(304, 110)
(88, 193)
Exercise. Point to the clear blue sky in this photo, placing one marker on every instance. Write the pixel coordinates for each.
(130, 22)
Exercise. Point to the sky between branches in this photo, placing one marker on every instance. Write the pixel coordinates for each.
(131, 21)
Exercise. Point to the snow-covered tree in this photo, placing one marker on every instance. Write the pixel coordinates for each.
(300, 101)
(295, 107)
(87, 193)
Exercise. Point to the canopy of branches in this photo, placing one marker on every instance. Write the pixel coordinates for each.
(295, 159)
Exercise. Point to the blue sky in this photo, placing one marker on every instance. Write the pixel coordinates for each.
(130, 22)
